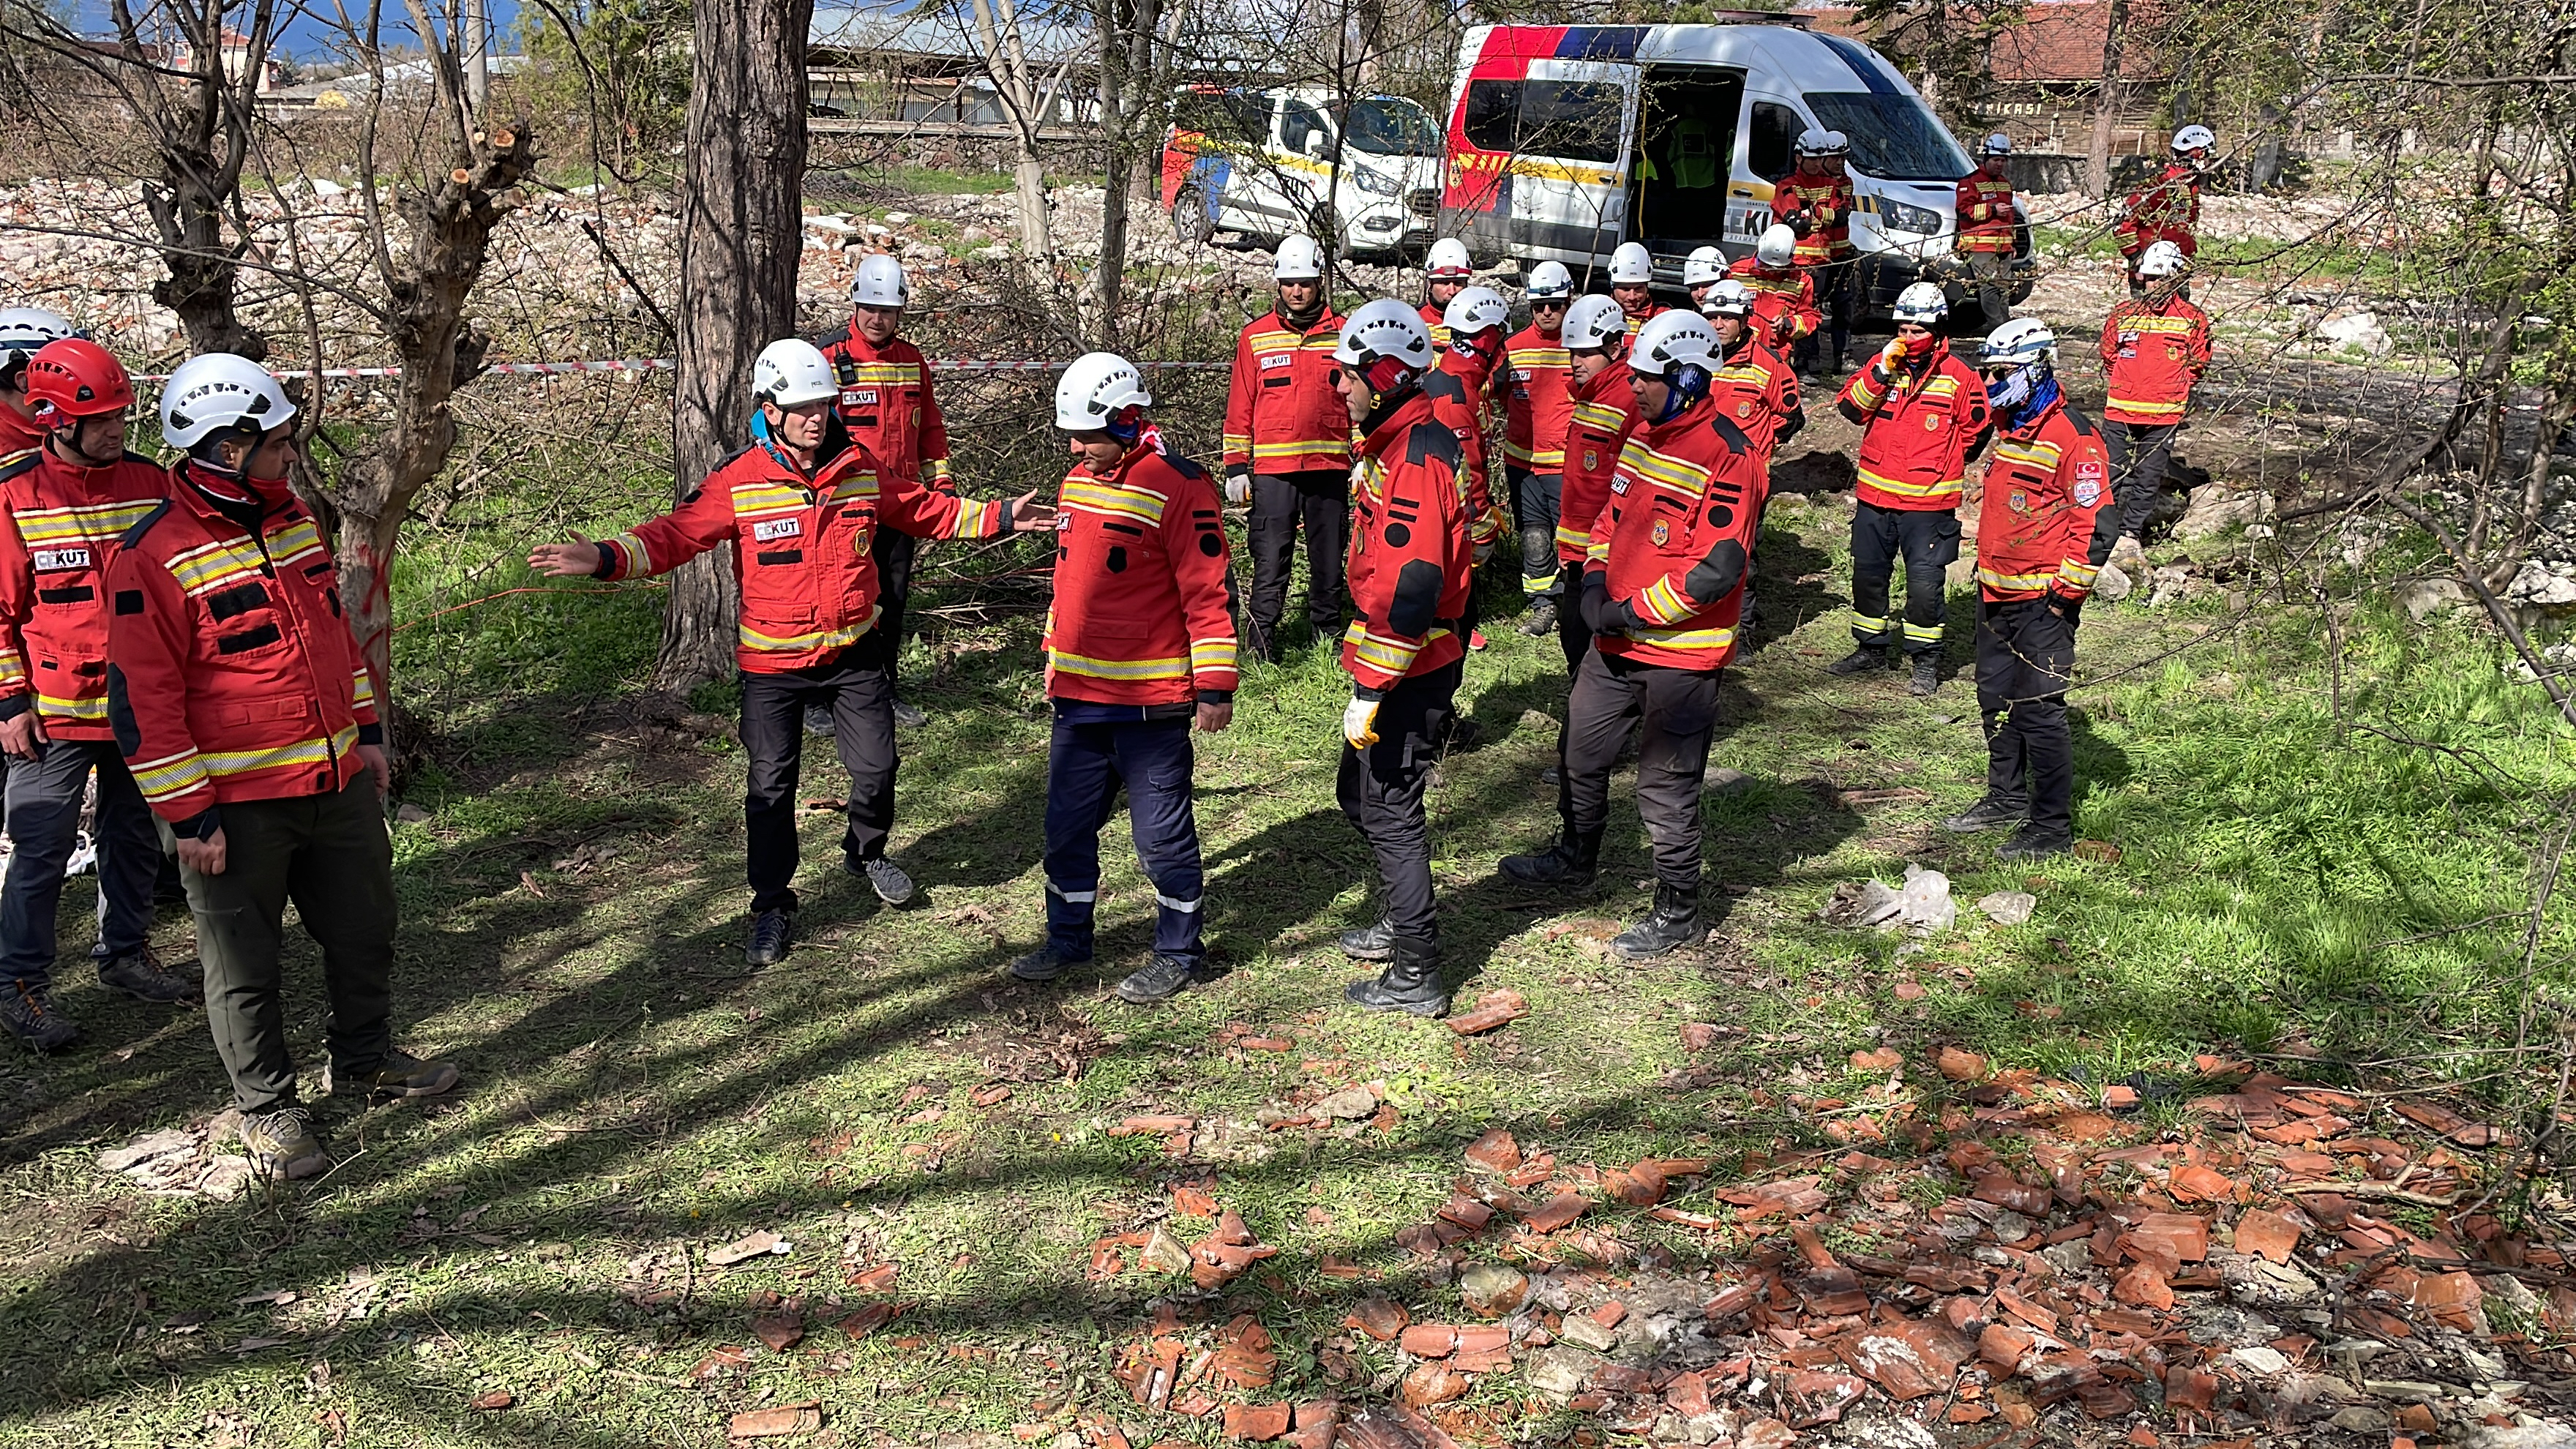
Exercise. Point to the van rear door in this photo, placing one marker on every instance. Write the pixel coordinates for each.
(1577, 120)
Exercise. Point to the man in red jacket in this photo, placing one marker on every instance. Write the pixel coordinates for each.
(1665, 574)
(887, 407)
(1288, 450)
(1410, 573)
(1445, 273)
(1603, 413)
(63, 507)
(1923, 420)
(22, 331)
(2044, 526)
(1989, 223)
(1756, 389)
(1632, 284)
(1535, 413)
(1461, 390)
(800, 509)
(2169, 208)
(242, 704)
(1139, 644)
(2155, 349)
(1815, 202)
(1784, 293)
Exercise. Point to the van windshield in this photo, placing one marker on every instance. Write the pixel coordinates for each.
(1892, 136)
(1393, 126)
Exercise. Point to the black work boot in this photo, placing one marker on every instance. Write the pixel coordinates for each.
(1992, 813)
(1370, 943)
(2032, 843)
(1411, 984)
(1927, 675)
(27, 1010)
(1261, 639)
(1862, 660)
(1542, 617)
(1673, 923)
(1572, 861)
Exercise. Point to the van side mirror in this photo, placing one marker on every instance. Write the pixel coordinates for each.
(1316, 144)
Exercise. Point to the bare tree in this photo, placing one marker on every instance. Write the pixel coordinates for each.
(741, 235)
(2106, 105)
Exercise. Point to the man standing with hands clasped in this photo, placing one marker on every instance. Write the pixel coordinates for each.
(1139, 645)
(1410, 572)
(801, 509)
(2044, 527)
(1288, 450)
(240, 701)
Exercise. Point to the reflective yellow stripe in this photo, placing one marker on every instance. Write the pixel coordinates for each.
(1143, 505)
(1682, 638)
(1541, 460)
(1885, 484)
(886, 372)
(939, 469)
(1600, 415)
(362, 687)
(764, 497)
(73, 708)
(1118, 668)
(1313, 447)
(1679, 474)
(171, 775)
(2077, 572)
(639, 559)
(977, 518)
(1539, 357)
(820, 639)
(1868, 623)
(302, 752)
(1569, 537)
(2039, 453)
(83, 522)
(13, 669)
(1210, 655)
(215, 564)
(1238, 442)
(1993, 580)
(1394, 656)
(1538, 583)
(1921, 632)
(2151, 409)
(1661, 603)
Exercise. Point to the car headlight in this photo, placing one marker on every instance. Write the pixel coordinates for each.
(1920, 220)
(1372, 181)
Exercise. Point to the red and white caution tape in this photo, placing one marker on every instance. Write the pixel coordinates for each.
(670, 364)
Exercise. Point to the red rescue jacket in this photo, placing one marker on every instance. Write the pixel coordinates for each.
(59, 526)
(1540, 402)
(1784, 301)
(1603, 413)
(2046, 522)
(2168, 210)
(1457, 389)
(2153, 356)
(1673, 542)
(1756, 389)
(1411, 564)
(1142, 612)
(1986, 216)
(1919, 430)
(800, 545)
(1281, 413)
(1637, 320)
(887, 405)
(1436, 317)
(1818, 208)
(18, 434)
(233, 675)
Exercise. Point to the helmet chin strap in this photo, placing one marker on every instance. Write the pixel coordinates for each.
(69, 436)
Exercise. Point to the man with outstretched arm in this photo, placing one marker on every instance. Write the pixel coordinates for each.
(241, 702)
(1410, 571)
(1139, 646)
(801, 509)
(1666, 570)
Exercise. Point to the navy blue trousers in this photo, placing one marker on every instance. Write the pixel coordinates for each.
(1087, 764)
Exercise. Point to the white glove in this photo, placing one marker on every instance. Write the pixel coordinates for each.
(1238, 489)
(1359, 723)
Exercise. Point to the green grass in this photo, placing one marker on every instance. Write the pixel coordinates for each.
(635, 1098)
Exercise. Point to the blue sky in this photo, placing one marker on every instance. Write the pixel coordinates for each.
(309, 38)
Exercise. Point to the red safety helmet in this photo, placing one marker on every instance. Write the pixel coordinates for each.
(76, 378)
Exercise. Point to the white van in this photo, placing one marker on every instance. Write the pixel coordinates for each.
(1263, 163)
(1566, 140)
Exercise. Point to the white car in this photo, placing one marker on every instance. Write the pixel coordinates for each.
(1267, 163)
(1565, 141)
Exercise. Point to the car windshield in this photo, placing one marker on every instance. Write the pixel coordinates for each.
(1393, 126)
(1892, 136)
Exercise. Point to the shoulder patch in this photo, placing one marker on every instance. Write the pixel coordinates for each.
(1724, 426)
(1430, 440)
(2083, 425)
(19, 464)
(143, 525)
(1444, 385)
(1186, 467)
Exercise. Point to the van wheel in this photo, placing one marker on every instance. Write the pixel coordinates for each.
(1190, 220)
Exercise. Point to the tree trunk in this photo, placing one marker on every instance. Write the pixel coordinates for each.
(2106, 106)
(202, 133)
(1006, 59)
(741, 234)
(1127, 31)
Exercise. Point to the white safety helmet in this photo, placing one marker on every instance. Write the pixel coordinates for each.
(1631, 264)
(1096, 389)
(1594, 321)
(792, 372)
(1702, 266)
(2162, 259)
(880, 283)
(1449, 259)
(1836, 144)
(2021, 342)
(1550, 282)
(1778, 246)
(1729, 298)
(2193, 138)
(1670, 340)
(1383, 333)
(1812, 141)
(1997, 144)
(1474, 310)
(25, 329)
(1921, 303)
(1297, 260)
(215, 392)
